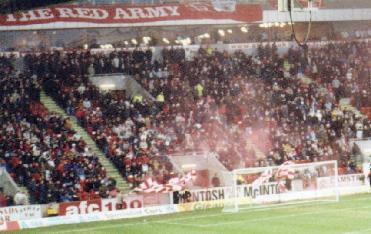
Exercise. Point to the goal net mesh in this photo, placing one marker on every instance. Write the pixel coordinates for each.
(287, 183)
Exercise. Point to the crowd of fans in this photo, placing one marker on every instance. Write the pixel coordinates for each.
(251, 110)
(121, 128)
(218, 100)
(40, 150)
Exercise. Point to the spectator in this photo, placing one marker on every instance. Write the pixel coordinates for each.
(20, 199)
(3, 198)
(215, 181)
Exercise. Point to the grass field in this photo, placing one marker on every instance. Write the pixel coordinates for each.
(352, 215)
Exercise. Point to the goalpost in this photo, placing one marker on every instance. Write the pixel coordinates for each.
(285, 184)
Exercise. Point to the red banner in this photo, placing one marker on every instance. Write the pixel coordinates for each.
(151, 199)
(123, 15)
(99, 205)
(9, 226)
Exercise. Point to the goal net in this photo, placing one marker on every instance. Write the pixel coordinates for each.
(287, 183)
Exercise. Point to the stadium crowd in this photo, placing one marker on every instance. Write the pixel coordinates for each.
(120, 127)
(236, 97)
(40, 150)
(219, 102)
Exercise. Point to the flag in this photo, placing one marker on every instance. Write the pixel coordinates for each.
(263, 178)
(286, 171)
(282, 186)
(174, 184)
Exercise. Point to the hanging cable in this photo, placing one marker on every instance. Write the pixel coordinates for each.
(293, 33)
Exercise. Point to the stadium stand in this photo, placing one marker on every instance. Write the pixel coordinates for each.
(120, 127)
(217, 100)
(114, 110)
(252, 110)
(39, 148)
(321, 127)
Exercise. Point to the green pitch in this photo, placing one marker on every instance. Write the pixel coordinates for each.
(352, 215)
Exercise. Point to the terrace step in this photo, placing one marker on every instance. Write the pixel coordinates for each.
(112, 171)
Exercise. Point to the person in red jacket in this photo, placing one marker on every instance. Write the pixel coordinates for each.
(3, 199)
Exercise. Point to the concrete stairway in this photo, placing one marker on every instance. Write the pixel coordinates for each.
(112, 171)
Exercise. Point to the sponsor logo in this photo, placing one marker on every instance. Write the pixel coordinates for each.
(201, 205)
(246, 191)
(155, 210)
(264, 189)
(99, 205)
(13, 213)
(208, 195)
(343, 181)
(356, 179)
(208, 205)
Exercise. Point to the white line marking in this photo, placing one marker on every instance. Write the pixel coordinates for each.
(367, 230)
(258, 219)
(181, 224)
(283, 216)
(362, 198)
(257, 209)
(103, 227)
